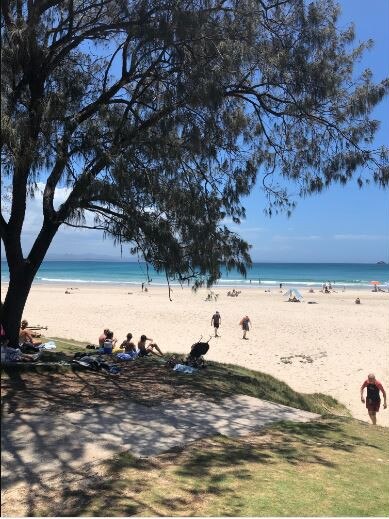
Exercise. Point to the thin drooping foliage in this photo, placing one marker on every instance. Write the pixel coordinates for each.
(160, 115)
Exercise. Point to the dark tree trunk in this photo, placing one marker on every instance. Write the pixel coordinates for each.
(15, 300)
(21, 275)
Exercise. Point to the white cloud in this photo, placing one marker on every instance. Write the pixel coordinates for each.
(34, 211)
(279, 237)
(370, 237)
(242, 230)
(68, 239)
(253, 229)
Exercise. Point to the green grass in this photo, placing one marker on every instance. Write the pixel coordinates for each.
(227, 379)
(331, 467)
(217, 381)
(334, 466)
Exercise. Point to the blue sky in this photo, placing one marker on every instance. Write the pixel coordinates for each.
(342, 224)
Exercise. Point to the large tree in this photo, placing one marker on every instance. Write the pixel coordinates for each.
(159, 115)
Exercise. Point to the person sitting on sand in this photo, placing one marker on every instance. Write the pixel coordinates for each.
(357, 301)
(26, 341)
(245, 324)
(145, 350)
(373, 399)
(109, 343)
(128, 345)
(102, 337)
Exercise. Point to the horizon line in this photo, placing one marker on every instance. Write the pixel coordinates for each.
(113, 260)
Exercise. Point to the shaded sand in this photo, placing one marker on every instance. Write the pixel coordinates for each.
(327, 347)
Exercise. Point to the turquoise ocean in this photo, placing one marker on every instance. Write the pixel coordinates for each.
(261, 274)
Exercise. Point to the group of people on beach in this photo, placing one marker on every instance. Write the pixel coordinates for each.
(233, 293)
(146, 345)
(29, 343)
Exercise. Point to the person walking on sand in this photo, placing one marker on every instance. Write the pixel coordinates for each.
(216, 322)
(245, 324)
(373, 399)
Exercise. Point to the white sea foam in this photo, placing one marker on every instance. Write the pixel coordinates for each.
(102, 281)
(222, 283)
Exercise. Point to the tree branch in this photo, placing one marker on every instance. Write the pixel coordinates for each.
(6, 13)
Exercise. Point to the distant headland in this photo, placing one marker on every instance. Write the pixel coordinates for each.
(380, 263)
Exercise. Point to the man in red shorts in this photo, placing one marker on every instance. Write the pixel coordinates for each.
(373, 399)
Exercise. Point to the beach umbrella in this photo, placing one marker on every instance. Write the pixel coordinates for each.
(375, 282)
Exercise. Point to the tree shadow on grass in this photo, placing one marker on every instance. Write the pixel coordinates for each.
(292, 442)
(77, 489)
(36, 446)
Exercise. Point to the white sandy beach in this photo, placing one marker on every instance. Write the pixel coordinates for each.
(344, 340)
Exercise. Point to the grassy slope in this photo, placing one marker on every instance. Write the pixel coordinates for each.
(335, 466)
(332, 467)
(217, 381)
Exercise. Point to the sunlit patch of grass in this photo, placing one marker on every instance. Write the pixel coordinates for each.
(289, 469)
(318, 468)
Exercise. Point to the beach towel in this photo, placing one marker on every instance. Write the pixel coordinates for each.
(127, 356)
(181, 368)
(48, 346)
